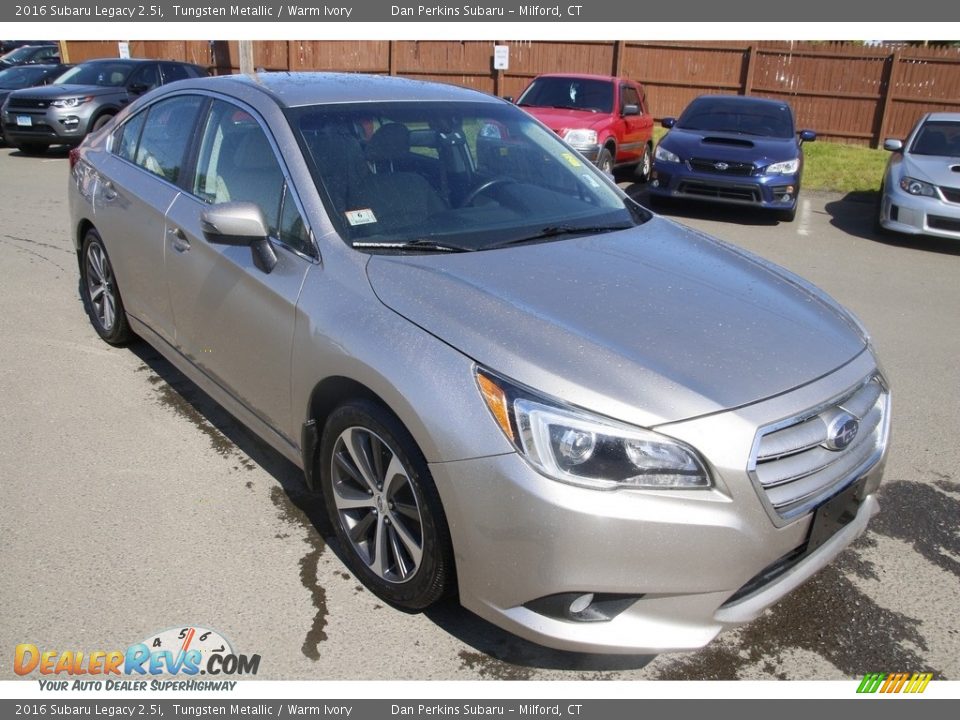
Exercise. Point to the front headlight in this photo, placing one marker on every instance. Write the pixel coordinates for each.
(787, 167)
(581, 137)
(70, 102)
(577, 447)
(917, 187)
(661, 153)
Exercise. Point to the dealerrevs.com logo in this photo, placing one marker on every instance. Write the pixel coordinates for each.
(185, 651)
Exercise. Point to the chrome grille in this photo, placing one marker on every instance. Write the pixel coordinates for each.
(793, 465)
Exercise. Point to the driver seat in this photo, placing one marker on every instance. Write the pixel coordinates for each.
(397, 198)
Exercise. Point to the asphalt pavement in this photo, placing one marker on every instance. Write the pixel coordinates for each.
(133, 503)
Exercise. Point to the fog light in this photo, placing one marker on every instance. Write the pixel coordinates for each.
(655, 182)
(70, 121)
(581, 603)
(582, 607)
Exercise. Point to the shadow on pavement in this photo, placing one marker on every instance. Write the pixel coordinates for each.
(855, 214)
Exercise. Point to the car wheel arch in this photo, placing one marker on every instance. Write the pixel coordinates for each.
(326, 396)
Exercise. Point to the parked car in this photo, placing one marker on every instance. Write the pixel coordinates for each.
(24, 76)
(83, 100)
(920, 192)
(605, 118)
(605, 431)
(8, 45)
(732, 149)
(30, 54)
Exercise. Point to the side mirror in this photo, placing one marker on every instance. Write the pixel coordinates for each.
(508, 98)
(893, 145)
(138, 88)
(807, 136)
(668, 122)
(631, 110)
(240, 224)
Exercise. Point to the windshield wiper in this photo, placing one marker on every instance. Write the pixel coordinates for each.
(424, 244)
(552, 231)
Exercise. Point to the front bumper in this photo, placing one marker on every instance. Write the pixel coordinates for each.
(590, 152)
(679, 180)
(675, 558)
(53, 126)
(918, 215)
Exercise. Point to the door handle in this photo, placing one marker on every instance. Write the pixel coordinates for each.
(109, 191)
(178, 239)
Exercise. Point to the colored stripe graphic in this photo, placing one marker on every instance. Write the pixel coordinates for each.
(894, 683)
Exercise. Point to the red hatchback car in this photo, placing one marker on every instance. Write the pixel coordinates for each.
(605, 118)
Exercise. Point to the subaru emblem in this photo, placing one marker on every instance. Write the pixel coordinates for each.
(721, 166)
(841, 431)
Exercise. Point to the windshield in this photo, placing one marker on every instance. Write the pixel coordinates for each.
(938, 137)
(451, 176)
(108, 74)
(21, 53)
(739, 117)
(21, 77)
(570, 94)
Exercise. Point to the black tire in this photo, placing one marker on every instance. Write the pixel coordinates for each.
(605, 161)
(32, 148)
(100, 293)
(787, 215)
(645, 166)
(100, 122)
(372, 509)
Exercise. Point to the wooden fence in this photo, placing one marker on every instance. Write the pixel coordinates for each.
(846, 92)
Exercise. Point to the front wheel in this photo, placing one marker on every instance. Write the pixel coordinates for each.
(384, 507)
(101, 296)
(645, 166)
(605, 161)
(787, 215)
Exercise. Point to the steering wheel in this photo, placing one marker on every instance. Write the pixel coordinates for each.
(483, 187)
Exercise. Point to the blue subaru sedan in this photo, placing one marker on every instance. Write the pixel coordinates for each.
(732, 149)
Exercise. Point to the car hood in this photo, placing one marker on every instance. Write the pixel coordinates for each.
(52, 92)
(936, 169)
(734, 147)
(559, 119)
(650, 325)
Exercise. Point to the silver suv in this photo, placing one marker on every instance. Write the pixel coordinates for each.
(83, 100)
(604, 431)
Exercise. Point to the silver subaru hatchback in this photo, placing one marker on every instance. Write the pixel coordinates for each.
(602, 431)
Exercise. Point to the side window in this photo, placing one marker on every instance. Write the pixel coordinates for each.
(293, 231)
(173, 71)
(126, 137)
(48, 53)
(237, 163)
(629, 96)
(167, 134)
(145, 78)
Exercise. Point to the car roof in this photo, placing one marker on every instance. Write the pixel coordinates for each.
(294, 89)
(944, 117)
(586, 76)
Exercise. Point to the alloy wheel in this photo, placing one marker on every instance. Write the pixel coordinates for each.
(376, 505)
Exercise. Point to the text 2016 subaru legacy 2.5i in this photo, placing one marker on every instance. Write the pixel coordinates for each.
(602, 431)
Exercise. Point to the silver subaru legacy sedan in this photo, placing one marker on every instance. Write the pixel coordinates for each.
(602, 431)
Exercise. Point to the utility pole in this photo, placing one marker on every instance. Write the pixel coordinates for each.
(246, 57)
